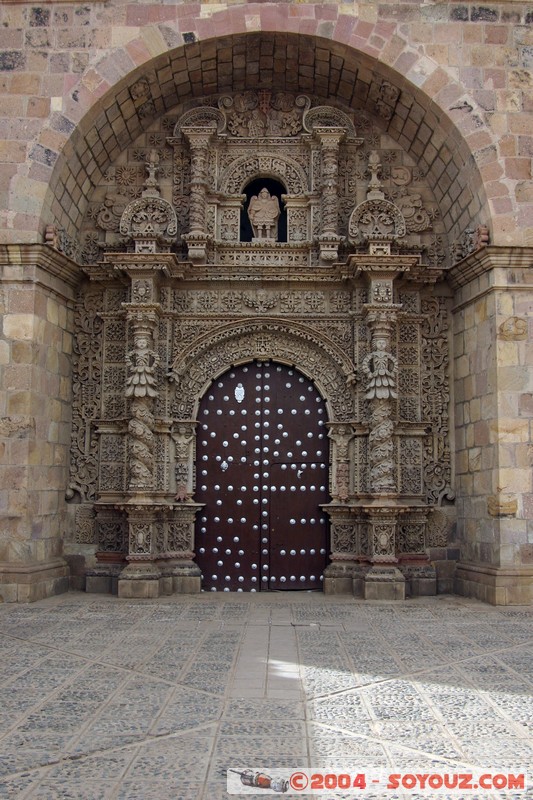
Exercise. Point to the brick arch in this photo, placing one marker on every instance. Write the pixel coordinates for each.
(370, 67)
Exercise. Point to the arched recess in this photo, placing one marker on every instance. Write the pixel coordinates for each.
(283, 168)
(296, 345)
(410, 114)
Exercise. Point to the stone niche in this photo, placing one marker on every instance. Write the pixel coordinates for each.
(339, 278)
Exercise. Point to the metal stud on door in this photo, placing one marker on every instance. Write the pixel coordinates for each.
(262, 456)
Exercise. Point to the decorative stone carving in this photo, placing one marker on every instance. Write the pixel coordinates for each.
(343, 538)
(142, 362)
(375, 220)
(514, 329)
(435, 396)
(381, 448)
(440, 524)
(183, 436)
(502, 505)
(108, 214)
(328, 117)
(415, 215)
(380, 369)
(87, 393)
(150, 220)
(341, 435)
(278, 165)
(110, 531)
(197, 236)
(262, 114)
(85, 525)
(202, 117)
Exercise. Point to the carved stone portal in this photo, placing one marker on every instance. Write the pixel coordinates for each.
(174, 299)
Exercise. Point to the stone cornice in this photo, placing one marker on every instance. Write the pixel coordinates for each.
(486, 259)
(36, 263)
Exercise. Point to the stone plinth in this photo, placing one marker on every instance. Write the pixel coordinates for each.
(141, 580)
(384, 583)
(500, 586)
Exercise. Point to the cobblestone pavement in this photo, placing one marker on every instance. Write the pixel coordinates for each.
(106, 698)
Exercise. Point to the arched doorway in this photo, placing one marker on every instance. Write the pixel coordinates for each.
(262, 474)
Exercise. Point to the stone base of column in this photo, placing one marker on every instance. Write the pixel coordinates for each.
(141, 580)
(185, 576)
(420, 579)
(500, 586)
(26, 583)
(339, 577)
(384, 582)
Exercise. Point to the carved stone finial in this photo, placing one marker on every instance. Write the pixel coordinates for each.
(151, 186)
(374, 191)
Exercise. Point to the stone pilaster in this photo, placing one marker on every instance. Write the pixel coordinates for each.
(37, 291)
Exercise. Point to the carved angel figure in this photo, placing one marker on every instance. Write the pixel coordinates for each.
(380, 367)
(264, 212)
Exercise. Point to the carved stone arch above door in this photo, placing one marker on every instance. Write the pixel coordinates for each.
(296, 345)
(256, 165)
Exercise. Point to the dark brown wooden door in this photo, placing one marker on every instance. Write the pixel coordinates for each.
(262, 473)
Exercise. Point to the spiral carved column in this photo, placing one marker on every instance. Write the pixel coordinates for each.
(329, 239)
(197, 237)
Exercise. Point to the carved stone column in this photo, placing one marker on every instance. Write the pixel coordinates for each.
(141, 388)
(179, 531)
(380, 370)
(183, 437)
(179, 572)
(345, 546)
(141, 577)
(329, 239)
(198, 139)
(298, 218)
(341, 435)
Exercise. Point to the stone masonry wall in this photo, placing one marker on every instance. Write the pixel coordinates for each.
(493, 348)
(35, 416)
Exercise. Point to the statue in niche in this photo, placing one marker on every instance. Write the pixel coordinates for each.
(264, 212)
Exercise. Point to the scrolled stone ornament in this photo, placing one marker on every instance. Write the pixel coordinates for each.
(376, 219)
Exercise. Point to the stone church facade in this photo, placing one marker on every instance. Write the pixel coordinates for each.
(266, 299)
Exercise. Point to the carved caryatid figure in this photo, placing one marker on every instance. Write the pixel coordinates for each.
(264, 212)
(142, 362)
(380, 367)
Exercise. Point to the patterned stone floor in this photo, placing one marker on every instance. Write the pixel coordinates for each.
(105, 698)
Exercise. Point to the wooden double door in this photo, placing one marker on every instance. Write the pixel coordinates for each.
(262, 455)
